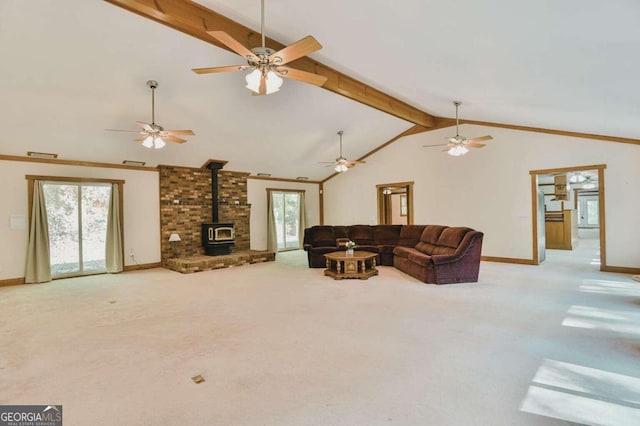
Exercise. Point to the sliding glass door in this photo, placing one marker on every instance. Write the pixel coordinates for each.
(77, 214)
(287, 213)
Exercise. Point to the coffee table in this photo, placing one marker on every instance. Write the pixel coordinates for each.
(361, 265)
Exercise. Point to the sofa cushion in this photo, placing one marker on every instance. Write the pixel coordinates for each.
(385, 249)
(361, 235)
(325, 243)
(321, 233)
(421, 259)
(429, 238)
(403, 251)
(386, 234)
(451, 237)
(341, 231)
(410, 235)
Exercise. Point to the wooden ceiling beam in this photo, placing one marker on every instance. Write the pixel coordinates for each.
(194, 19)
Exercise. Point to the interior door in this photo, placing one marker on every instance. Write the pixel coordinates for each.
(542, 237)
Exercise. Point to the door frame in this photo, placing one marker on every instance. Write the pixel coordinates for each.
(381, 204)
(601, 207)
(302, 193)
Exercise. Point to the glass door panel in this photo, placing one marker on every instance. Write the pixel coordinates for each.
(94, 214)
(291, 218)
(62, 214)
(588, 212)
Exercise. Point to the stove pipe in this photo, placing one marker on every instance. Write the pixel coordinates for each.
(214, 167)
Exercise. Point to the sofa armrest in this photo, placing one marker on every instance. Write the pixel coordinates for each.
(307, 247)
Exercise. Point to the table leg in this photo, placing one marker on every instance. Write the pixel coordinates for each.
(338, 264)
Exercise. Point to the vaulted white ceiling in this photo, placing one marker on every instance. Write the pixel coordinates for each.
(71, 69)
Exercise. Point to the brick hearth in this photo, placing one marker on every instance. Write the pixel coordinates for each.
(199, 263)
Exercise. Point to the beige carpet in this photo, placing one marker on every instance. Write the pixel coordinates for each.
(280, 344)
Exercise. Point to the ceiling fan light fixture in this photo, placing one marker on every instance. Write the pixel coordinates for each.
(148, 142)
(274, 82)
(253, 80)
(458, 150)
(340, 168)
(577, 177)
(158, 143)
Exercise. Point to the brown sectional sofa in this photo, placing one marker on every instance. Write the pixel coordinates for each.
(431, 253)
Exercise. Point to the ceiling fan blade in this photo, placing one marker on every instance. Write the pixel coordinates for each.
(145, 126)
(475, 145)
(480, 139)
(359, 162)
(118, 130)
(304, 76)
(297, 50)
(180, 132)
(212, 70)
(232, 44)
(440, 144)
(173, 139)
(141, 138)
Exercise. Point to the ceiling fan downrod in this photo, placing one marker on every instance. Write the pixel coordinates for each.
(457, 104)
(153, 85)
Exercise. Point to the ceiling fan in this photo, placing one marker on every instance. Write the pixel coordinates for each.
(342, 164)
(153, 135)
(267, 64)
(459, 145)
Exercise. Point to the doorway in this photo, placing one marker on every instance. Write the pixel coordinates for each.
(568, 215)
(77, 214)
(287, 210)
(395, 203)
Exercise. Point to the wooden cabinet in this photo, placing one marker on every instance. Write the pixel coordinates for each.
(561, 187)
(558, 229)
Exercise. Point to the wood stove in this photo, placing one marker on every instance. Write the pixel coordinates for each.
(217, 238)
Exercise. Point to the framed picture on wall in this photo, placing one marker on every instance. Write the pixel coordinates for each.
(403, 204)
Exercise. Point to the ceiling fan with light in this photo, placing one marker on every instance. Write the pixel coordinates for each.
(341, 164)
(153, 135)
(267, 64)
(459, 145)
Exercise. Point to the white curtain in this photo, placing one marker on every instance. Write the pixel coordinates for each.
(272, 238)
(38, 260)
(113, 255)
(302, 222)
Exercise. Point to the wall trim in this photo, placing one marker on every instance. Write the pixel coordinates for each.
(11, 281)
(621, 269)
(141, 266)
(20, 281)
(314, 182)
(508, 260)
(76, 163)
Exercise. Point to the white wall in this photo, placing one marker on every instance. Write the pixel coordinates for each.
(489, 189)
(257, 196)
(141, 210)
